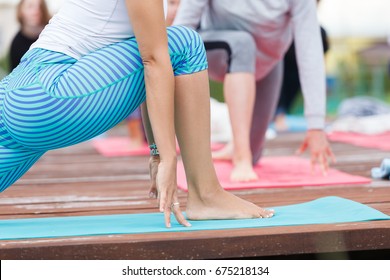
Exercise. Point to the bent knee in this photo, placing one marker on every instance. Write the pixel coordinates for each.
(243, 57)
(187, 50)
(244, 40)
(183, 36)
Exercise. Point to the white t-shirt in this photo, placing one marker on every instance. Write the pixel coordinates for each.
(82, 26)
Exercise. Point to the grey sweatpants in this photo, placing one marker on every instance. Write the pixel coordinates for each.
(232, 51)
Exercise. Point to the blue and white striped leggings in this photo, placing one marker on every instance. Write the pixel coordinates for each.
(52, 100)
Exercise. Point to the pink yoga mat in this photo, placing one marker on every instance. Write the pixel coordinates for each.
(278, 172)
(120, 146)
(376, 141)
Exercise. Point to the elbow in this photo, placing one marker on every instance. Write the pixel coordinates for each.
(150, 60)
(156, 58)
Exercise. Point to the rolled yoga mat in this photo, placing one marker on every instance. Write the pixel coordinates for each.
(326, 210)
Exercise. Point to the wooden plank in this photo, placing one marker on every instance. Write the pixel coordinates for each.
(78, 181)
(238, 243)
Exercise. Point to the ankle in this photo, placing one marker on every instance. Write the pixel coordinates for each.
(242, 159)
(205, 195)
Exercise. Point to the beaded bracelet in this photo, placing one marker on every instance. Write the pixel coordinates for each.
(153, 150)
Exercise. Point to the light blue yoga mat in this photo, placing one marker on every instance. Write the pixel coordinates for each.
(327, 210)
(294, 123)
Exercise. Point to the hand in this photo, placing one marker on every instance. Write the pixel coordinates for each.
(167, 193)
(320, 149)
(154, 161)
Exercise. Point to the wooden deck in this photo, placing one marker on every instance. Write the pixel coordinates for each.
(78, 181)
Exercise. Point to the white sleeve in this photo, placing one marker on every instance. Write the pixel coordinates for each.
(190, 12)
(310, 60)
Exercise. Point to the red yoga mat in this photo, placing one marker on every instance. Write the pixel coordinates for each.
(278, 172)
(376, 141)
(120, 146)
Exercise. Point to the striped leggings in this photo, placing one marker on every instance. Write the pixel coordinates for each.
(52, 101)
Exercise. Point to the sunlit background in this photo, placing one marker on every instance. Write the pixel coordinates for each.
(357, 63)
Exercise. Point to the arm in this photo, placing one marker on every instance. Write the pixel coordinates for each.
(190, 12)
(147, 18)
(310, 60)
(154, 160)
(146, 123)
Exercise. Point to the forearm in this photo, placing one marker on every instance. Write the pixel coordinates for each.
(159, 84)
(146, 123)
(147, 18)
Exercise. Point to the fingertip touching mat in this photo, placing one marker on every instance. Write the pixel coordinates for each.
(326, 210)
(278, 172)
(376, 141)
(121, 146)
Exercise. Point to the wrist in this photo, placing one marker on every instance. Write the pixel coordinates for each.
(153, 150)
(168, 157)
(169, 161)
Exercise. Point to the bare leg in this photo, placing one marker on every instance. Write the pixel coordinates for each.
(267, 95)
(136, 134)
(280, 122)
(239, 91)
(206, 198)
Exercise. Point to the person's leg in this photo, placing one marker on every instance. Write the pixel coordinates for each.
(52, 101)
(239, 92)
(267, 95)
(289, 90)
(291, 84)
(134, 127)
(206, 198)
(280, 114)
(15, 159)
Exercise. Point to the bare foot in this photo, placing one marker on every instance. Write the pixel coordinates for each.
(281, 123)
(226, 153)
(243, 172)
(222, 205)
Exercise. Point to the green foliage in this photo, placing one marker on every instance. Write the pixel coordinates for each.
(360, 79)
(216, 91)
(4, 66)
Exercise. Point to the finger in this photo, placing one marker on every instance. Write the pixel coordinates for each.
(162, 201)
(167, 217)
(153, 190)
(301, 149)
(324, 164)
(313, 162)
(153, 169)
(167, 208)
(331, 154)
(179, 215)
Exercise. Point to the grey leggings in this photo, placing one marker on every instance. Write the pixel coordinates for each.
(232, 51)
